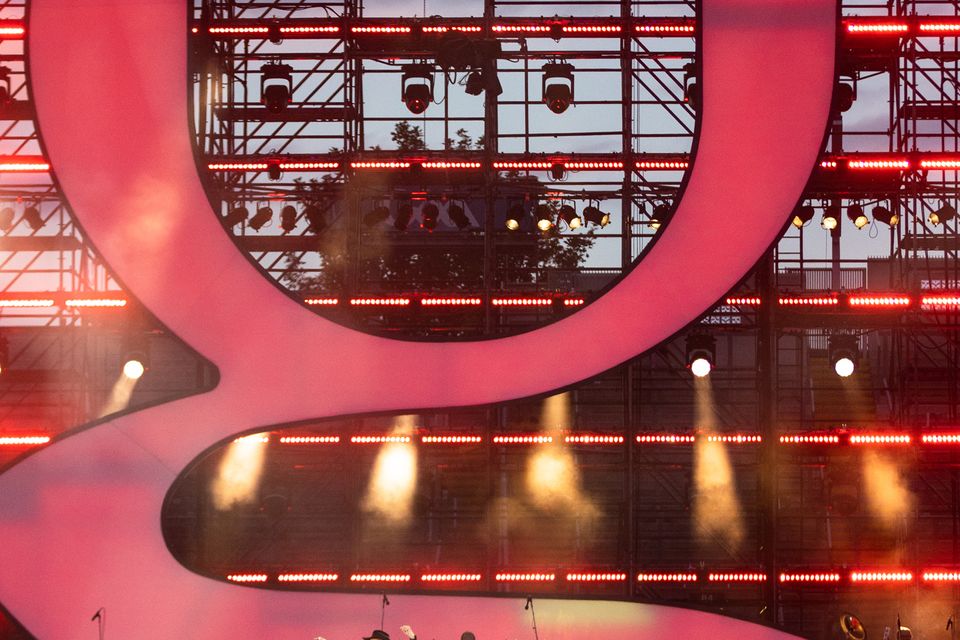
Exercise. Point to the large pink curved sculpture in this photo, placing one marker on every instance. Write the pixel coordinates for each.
(80, 520)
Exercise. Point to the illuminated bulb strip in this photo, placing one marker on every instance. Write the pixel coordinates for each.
(237, 31)
(525, 577)
(309, 439)
(258, 438)
(743, 301)
(828, 164)
(522, 439)
(451, 302)
(321, 302)
(95, 302)
(808, 301)
(388, 302)
(247, 577)
(940, 164)
(520, 28)
(596, 577)
(442, 29)
(940, 301)
(593, 29)
(522, 165)
(12, 31)
(380, 577)
(940, 27)
(664, 28)
(450, 439)
(897, 438)
(379, 439)
(737, 577)
(380, 29)
(451, 577)
(521, 302)
(878, 164)
(590, 166)
(380, 165)
(14, 167)
(662, 164)
(940, 438)
(666, 577)
(451, 165)
(881, 576)
(316, 29)
(574, 302)
(238, 166)
(941, 576)
(23, 441)
(886, 27)
(879, 301)
(293, 166)
(665, 439)
(809, 577)
(308, 577)
(593, 439)
(735, 439)
(810, 439)
(27, 302)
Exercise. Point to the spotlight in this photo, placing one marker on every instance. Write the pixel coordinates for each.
(377, 215)
(7, 215)
(235, 216)
(831, 218)
(515, 216)
(458, 216)
(557, 86)
(429, 214)
(416, 87)
(856, 215)
(802, 215)
(661, 214)
(544, 216)
(884, 215)
(943, 214)
(594, 216)
(848, 627)
(474, 86)
(569, 215)
(691, 88)
(276, 86)
(843, 97)
(557, 171)
(261, 217)
(316, 220)
(701, 354)
(273, 171)
(843, 352)
(288, 218)
(404, 214)
(135, 356)
(33, 218)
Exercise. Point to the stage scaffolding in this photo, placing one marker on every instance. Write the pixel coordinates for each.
(801, 506)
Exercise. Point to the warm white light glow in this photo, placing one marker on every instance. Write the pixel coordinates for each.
(844, 367)
(122, 392)
(886, 489)
(133, 369)
(700, 367)
(393, 481)
(238, 477)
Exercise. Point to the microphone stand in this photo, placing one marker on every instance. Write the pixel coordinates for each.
(383, 608)
(101, 617)
(533, 613)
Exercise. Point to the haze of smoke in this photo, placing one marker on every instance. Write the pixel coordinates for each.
(238, 477)
(888, 497)
(393, 481)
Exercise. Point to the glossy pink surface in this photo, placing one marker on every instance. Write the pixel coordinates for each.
(80, 520)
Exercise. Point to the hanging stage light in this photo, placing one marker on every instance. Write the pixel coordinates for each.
(558, 171)
(557, 86)
(288, 218)
(831, 218)
(416, 87)
(377, 215)
(882, 214)
(802, 215)
(7, 214)
(515, 216)
(594, 216)
(235, 216)
(701, 354)
(135, 357)
(569, 215)
(32, 217)
(474, 86)
(843, 96)
(261, 217)
(404, 215)
(661, 214)
(458, 216)
(857, 216)
(691, 88)
(843, 352)
(276, 86)
(943, 214)
(544, 216)
(316, 220)
(429, 214)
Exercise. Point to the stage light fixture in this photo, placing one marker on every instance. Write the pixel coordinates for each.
(458, 216)
(288, 218)
(429, 214)
(276, 86)
(135, 356)
(544, 216)
(416, 87)
(661, 214)
(261, 217)
(558, 86)
(849, 627)
(316, 220)
(7, 214)
(474, 85)
(831, 218)
(802, 215)
(594, 216)
(404, 215)
(235, 216)
(569, 215)
(558, 171)
(32, 217)
(844, 352)
(691, 88)
(857, 216)
(377, 215)
(882, 214)
(515, 215)
(273, 171)
(943, 215)
(701, 354)
(843, 97)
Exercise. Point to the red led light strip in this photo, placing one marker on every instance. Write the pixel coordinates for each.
(808, 301)
(666, 438)
(739, 438)
(451, 302)
(661, 165)
(878, 27)
(308, 577)
(809, 577)
(664, 29)
(899, 164)
(380, 577)
(880, 576)
(522, 439)
(379, 439)
(309, 439)
(593, 439)
(521, 302)
(810, 439)
(380, 30)
(450, 577)
(11, 30)
(737, 577)
(879, 301)
(256, 438)
(451, 439)
(451, 165)
(379, 302)
(23, 441)
(596, 577)
(247, 577)
(940, 575)
(27, 302)
(525, 577)
(946, 163)
(13, 166)
(880, 438)
(951, 300)
(743, 301)
(666, 577)
(321, 302)
(574, 302)
(940, 438)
